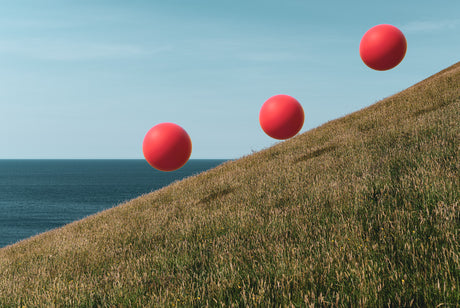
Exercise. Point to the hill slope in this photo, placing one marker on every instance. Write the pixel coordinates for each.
(363, 210)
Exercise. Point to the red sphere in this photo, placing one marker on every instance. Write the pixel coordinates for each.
(281, 117)
(167, 146)
(383, 47)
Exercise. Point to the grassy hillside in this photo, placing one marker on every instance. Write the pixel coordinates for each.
(362, 211)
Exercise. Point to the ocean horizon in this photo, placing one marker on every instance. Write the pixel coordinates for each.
(38, 195)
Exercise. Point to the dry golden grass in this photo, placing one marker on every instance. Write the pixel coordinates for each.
(362, 211)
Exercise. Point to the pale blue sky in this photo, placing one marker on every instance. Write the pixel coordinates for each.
(88, 79)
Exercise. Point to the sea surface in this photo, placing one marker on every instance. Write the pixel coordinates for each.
(40, 195)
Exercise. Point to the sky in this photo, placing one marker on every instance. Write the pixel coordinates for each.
(87, 79)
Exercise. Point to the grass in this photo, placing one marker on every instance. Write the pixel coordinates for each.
(361, 211)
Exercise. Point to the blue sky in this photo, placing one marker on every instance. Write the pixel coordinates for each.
(88, 79)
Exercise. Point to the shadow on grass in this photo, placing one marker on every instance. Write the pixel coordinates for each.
(316, 153)
(432, 108)
(216, 194)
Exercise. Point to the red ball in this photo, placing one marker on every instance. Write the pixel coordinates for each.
(167, 146)
(383, 47)
(281, 117)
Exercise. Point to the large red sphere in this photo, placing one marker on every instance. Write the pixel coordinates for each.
(167, 146)
(383, 47)
(281, 117)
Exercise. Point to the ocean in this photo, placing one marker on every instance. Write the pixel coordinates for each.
(40, 195)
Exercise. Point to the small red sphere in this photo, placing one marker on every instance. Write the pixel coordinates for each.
(383, 47)
(281, 117)
(167, 146)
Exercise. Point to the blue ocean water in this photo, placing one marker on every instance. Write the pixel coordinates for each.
(39, 195)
